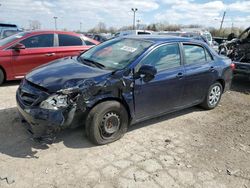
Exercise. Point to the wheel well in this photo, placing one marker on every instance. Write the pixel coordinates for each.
(222, 82)
(2, 69)
(114, 99)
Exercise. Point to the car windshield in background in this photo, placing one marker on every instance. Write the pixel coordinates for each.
(116, 53)
(11, 38)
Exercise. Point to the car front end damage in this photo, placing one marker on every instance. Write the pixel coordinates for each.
(238, 50)
(46, 113)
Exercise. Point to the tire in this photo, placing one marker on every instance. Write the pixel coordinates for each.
(213, 96)
(1, 77)
(106, 122)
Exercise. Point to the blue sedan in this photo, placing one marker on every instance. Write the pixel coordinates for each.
(121, 82)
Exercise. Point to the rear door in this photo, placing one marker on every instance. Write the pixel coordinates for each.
(70, 45)
(200, 73)
(39, 49)
(163, 93)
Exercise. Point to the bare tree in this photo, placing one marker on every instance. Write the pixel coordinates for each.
(101, 27)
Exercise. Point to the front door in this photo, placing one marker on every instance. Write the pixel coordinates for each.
(39, 49)
(163, 93)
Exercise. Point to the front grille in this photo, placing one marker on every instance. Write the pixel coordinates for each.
(30, 94)
(27, 97)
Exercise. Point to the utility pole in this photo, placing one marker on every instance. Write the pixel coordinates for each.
(55, 22)
(80, 26)
(134, 11)
(222, 21)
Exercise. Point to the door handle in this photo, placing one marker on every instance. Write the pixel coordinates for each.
(212, 69)
(179, 75)
(50, 54)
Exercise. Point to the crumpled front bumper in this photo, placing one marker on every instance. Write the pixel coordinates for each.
(43, 121)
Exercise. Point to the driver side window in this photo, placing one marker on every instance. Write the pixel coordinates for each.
(164, 57)
(39, 41)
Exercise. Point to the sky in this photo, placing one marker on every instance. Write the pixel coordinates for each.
(117, 13)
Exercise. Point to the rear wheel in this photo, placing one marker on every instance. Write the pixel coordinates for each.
(213, 96)
(1, 77)
(106, 122)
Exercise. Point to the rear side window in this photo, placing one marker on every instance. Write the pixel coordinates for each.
(39, 41)
(194, 54)
(69, 40)
(88, 43)
(164, 57)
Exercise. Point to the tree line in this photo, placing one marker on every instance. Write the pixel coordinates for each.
(224, 32)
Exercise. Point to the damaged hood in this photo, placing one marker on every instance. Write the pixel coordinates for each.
(65, 73)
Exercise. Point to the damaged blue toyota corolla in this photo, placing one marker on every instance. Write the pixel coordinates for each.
(121, 82)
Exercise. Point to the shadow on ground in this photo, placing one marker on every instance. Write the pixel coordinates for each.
(16, 142)
(10, 83)
(241, 84)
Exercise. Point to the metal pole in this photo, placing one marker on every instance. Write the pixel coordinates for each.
(222, 21)
(80, 26)
(134, 11)
(55, 22)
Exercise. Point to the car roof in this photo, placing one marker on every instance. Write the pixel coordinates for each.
(161, 38)
(51, 31)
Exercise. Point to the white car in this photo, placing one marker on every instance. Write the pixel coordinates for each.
(6, 32)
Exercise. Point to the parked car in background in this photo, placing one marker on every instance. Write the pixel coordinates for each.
(133, 32)
(22, 52)
(121, 82)
(203, 32)
(192, 35)
(220, 40)
(8, 32)
(101, 37)
(238, 50)
(4, 25)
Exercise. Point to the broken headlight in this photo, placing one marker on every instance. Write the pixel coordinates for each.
(55, 102)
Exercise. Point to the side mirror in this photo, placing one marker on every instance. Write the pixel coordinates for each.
(147, 72)
(18, 46)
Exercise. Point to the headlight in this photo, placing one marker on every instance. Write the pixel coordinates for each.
(55, 102)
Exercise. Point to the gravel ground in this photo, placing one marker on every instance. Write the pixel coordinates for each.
(190, 148)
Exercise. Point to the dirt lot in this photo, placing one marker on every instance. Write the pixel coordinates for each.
(191, 148)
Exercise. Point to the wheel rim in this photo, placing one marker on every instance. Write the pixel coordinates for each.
(214, 96)
(110, 124)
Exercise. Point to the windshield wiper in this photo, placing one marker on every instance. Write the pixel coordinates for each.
(99, 65)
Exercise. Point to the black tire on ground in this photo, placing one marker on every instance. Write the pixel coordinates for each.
(1, 77)
(213, 96)
(106, 122)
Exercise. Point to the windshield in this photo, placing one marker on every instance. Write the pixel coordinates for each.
(116, 53)
(11, 38)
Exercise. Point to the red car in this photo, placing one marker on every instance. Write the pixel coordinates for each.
(24, 51)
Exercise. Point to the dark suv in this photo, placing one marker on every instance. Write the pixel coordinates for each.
(121, 82)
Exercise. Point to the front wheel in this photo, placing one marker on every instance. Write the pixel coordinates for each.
(106, 122)
(213, 96)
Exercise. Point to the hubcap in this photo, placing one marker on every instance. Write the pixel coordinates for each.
(110, 124)
(214, 96)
